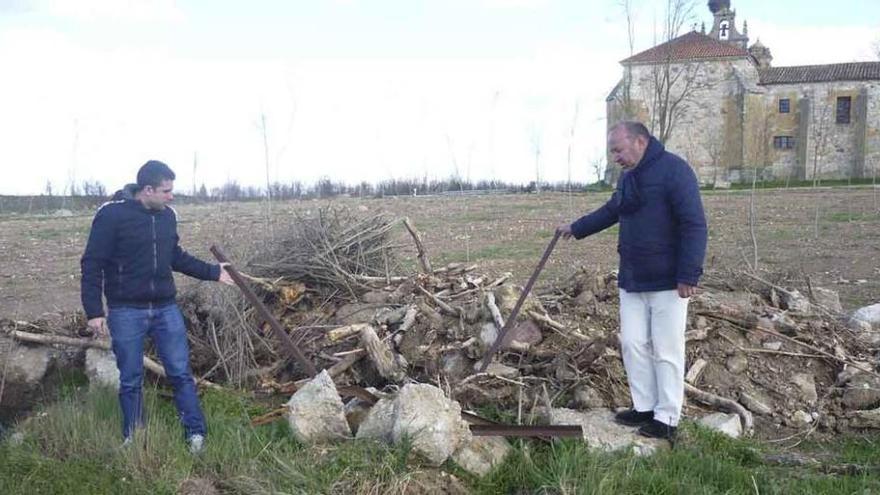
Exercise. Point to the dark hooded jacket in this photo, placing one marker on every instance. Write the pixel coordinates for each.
(663, 234)
(130, 256)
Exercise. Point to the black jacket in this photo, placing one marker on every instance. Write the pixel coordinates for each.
(131, 254)
(663, 233)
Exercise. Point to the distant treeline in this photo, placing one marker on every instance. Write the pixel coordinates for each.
(91, 194)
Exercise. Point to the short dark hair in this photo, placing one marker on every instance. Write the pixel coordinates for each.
(634, 129)
(153, 173)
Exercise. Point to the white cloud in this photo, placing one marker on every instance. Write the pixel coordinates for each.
(137, 11)
(811, 45)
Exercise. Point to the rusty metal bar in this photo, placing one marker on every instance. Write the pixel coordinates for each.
(511, 320)
(264, 312)
(527, 430)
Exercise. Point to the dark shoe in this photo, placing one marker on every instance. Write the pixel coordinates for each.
(633, 417)
(656, 429)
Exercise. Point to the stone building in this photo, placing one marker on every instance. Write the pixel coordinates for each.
(720, 104)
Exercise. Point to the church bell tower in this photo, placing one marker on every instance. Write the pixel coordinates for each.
(724, 27)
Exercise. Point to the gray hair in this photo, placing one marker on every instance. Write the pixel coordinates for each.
(633, 129)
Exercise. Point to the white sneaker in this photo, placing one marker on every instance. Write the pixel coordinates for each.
(126, 443)
(196, 444)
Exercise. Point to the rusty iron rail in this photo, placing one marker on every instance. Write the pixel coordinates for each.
(511, 320)
(264, 312)
(527, 430)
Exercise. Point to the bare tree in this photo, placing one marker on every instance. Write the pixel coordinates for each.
(574, 120)
(625, 98)
(820, 126)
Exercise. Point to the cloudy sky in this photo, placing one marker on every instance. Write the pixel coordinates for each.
(349, 89)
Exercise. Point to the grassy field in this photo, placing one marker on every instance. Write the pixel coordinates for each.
(73, 446)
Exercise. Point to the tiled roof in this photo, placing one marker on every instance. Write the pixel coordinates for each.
(855, 71)
(690, 46)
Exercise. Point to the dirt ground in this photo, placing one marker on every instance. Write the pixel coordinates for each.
(831, 236)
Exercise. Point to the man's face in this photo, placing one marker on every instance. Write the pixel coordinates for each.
(626, 151)
(155, 198)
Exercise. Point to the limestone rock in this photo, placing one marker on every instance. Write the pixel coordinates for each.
(430, 421)
(827, 298)
(316, 413)
(101, 368)
(737, 363)
(865, 419)
(25, 365)
(587, 397)
(801, 419)
(806, 385)
(481, 454)
(756, 404)
(601, 432)
(862, 392)
(729, 424)
(868, 314)
(378, 422)
(795, 301)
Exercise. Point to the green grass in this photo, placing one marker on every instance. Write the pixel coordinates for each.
(844, 216)
(72, 446)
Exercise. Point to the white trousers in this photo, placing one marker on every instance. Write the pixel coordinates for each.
(652, 326)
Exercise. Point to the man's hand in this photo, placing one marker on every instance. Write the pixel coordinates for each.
(565, 230)
(685, 291)
(224, 275)
(98, 328)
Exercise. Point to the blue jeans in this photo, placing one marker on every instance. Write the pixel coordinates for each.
(128, 330)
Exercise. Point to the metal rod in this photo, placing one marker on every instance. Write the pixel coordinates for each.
(513, 314)
(527, 431)
(264, 312)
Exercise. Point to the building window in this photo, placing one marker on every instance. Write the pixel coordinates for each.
(783, 142)
(784, 105)
(844, 103)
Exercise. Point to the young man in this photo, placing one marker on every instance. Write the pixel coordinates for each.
(662, 244)
(131, 253)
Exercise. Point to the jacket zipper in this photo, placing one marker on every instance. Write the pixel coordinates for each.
(155, 261)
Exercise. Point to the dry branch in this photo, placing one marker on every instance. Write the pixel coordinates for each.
(389, 364)
(726, 404)
(417, 238)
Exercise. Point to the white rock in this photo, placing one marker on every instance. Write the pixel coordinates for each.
(827, 298)
(101, 368)
(481, 454)
(806, 384)
(379, 421)
(602, 433)
(795, 301)
(430, 421)
(317, 413)
(729, 424)
(23, 364)
(865, 419)
(755, 404)
(801, 419)
(868, 314)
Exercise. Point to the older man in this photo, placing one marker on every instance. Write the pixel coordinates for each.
(662, 244)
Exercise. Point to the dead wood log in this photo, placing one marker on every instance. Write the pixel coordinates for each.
(345, 332)
(454, 311)
(47, 339)
(546, 320)
(390, 365)
(493, 308)
(748, 422)
(409, 319)
(420, 248)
